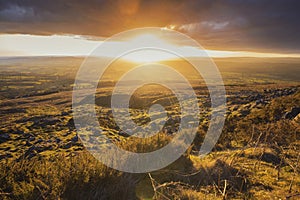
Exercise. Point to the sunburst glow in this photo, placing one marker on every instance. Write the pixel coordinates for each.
(148, 55)
(74, 45)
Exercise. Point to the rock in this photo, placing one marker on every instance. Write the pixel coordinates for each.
(64, 113)
(244, 113)
(128, 131)
(235, 108)
(67, 146)
(39, 141)
(5, 148)
(271, 158)
(296, 120)
(4, 137)
(122, 133)
(51, 121)
(171, 121)
(19, 132)
(260, 101)
(31, 139)
(292, 114)
(7, 155)
(43, 147)
(28, 144)
(75, 139)
(265, 154)
(57, 140)
(247, 106)
(71, 124)
(30, 153)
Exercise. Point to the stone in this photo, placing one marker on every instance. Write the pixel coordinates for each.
(64, 113)
(292, 114)
(39, 141)
(235, 108)
(296, 120)
(28, 143)
(4, 137)
(51, 121)
(67, 146)
(244, 113)
(71, 124)
(7, 155)
(75, 139)
(57, 140)
(30, 153)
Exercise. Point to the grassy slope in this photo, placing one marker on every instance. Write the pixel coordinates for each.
(258, 162)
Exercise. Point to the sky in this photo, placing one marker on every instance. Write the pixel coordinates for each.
(261, 26)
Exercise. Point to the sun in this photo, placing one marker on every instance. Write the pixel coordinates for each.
(149, 55)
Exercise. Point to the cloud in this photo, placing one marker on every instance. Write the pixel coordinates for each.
(252, 25)
(17, 13)
(205, 25)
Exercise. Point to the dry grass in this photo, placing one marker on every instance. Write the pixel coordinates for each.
(77, 176)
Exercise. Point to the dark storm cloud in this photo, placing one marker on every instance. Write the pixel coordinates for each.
(260, 25)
